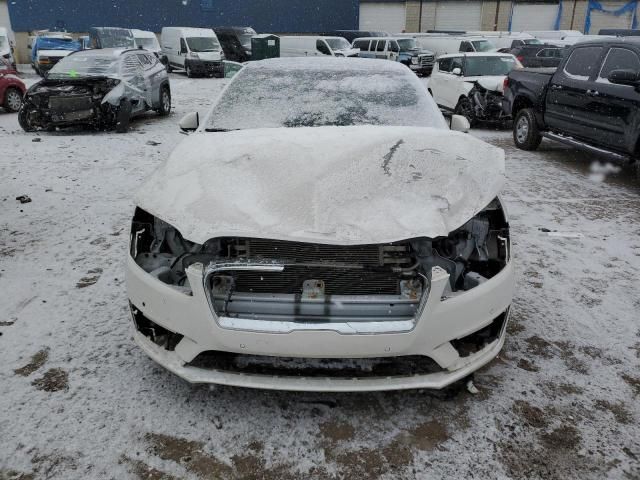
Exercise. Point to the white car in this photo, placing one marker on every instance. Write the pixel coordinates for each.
(333, 236)
(472, 84)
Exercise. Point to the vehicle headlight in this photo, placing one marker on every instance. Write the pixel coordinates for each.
(339, 54)
(193, 55)
(43, 60)
(414, 60)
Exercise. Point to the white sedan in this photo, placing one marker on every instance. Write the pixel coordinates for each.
(322, 229)
(472, 84)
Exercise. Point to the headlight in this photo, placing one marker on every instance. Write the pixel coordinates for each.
(193, 55)
(414, 60)
(339, 54)
(44, 60)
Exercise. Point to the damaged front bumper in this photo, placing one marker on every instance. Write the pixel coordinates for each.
(458, 334)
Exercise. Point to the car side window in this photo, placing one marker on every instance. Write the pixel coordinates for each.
(545, 53)
(322, 47)
(183, 46)
(444, 64)
(393, 46)
(144, 60)
(619, 59)
(457, 62)
(362, 45)
(583, 62)
(152, 59)
(381, 45)
(466, 47)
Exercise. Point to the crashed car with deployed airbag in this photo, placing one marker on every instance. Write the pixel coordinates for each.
(102, 89)
(322, 229)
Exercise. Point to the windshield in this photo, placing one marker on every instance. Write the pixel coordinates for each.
(203, 44)
(337, 43)
(407, 44)
(116, 38)
(148, 43)
(532, 41)
(483, 45)
(481, 66)
(245, 37)
(78, 66)
(283, 95)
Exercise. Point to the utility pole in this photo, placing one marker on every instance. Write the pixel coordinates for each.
(420, 18)
(495, 20)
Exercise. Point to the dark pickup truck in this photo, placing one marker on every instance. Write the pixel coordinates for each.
(591, 101)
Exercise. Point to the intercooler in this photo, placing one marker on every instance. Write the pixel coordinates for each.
(64, 104)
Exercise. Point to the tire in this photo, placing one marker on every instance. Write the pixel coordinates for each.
(23, 119)
(465, 109)
(123, 118)
(165, 101)
(526, 135)
(12, 100)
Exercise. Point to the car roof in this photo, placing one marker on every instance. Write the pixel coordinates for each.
(106, 52)
(475, 54)
(607, 41)
(327, 63)
(383, 38)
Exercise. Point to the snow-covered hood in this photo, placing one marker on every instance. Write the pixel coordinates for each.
(210, 56)
(341, 185)
(493, 83)
(347, 52)
(53, 53)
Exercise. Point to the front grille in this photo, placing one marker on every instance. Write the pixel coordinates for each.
(316, 367)
(213, 66)
(70, 103)
(337, 281)
(426, 60)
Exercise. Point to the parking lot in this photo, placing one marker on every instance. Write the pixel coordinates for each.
(80, 400)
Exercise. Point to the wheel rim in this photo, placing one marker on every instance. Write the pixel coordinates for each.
(166, 101)
(522, 129)
(14, 100)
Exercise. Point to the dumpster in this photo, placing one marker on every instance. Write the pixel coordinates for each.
(265, 46)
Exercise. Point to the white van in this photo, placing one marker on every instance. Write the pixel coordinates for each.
(197, 51)
(505, 41)
(6, 51)
(440, 45)
(308, 46)
(149, 41)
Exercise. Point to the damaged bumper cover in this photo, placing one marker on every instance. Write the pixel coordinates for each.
(441, 331)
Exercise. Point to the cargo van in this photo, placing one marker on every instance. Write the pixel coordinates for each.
(505, 41)
(197, 51)
(440, 45)
(6, 50)
(397, 49)
(236, 42)
(308, 46)
(111, 37)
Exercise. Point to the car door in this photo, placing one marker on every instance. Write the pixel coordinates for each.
(136, 88)
(567, 105)
(613, 105)
(156, 74)
(438, 79)
(381, 49)
(393, 50)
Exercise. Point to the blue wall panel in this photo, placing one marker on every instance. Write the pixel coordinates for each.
(272, 16)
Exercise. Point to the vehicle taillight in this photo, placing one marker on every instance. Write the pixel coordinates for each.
(505, 83)
(520, 58)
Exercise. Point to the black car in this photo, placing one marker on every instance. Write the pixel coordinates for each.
(537, 56)
(591, 101)
(235, 42)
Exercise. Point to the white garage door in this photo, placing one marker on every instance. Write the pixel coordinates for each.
(389, 17)
(602, 20)
(534, 16)
(458, 15)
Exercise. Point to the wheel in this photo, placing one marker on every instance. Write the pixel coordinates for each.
(188, 70)
(165, 101)
(525, 130)
(465, 109)
(123, 117)
(24, 119)
(12, 100)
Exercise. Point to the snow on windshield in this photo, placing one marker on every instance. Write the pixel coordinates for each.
(483, 45)
(320, 92)
(407, 44)
(79, 65)
(337, 43)
(203, 44)
(480, 66)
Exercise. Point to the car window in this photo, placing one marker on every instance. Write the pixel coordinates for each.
(144, 60)
(362, 45)
(583, 62)
(322, 47)
(152, 59)
(381, 45)
(619, 59)
(322, 95)
(183, 46)
(466, 47)
(393, 46)
(457, 62)
(490, 65)
(444, 64)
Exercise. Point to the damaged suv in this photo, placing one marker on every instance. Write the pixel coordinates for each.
(102, 89)
(333, 236)
(472, 84)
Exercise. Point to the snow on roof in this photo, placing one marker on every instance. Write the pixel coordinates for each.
(475, 54)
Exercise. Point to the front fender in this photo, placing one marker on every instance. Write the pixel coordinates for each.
(114, 96)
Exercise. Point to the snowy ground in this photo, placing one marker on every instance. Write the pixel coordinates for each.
(79, 400)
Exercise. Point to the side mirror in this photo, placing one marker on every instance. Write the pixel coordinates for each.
(624, 77)
(459, 123)
(457, 71)
(190, 122)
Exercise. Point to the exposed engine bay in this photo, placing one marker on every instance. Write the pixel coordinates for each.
(61, 103)
(486, 104)
(251, 278)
